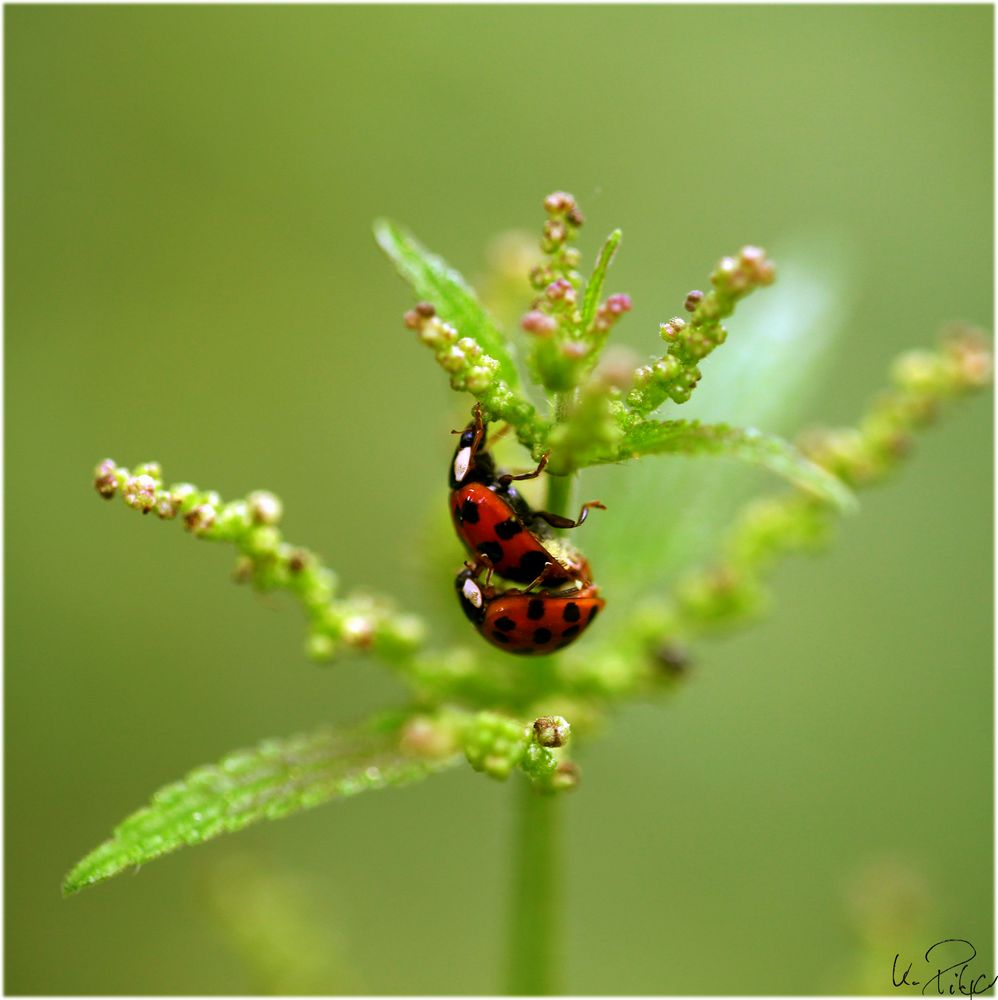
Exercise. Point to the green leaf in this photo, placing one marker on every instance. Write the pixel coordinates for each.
(274, 779)
(690, 437)
(594, 288)
(433, 280)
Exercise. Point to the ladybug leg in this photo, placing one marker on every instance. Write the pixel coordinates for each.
(557, 521)
(505, 480)
(541, 577)
(479, 430)
(483, 562)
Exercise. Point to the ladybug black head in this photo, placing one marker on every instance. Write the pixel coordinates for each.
(471, 463)
(471, 594)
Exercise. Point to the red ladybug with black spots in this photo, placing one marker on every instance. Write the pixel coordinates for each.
(496, 524)
(524, 622)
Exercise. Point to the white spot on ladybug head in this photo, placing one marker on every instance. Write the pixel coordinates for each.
(472, 593)
(462, 460)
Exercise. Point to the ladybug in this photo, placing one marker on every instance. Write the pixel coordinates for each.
(530, 624)
(498, 527)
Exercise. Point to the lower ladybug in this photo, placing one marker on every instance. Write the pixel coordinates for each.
(496, 524)
(530, 624)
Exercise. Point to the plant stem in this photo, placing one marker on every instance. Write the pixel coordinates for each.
(533, 918)
(536, 893)
(559, 494)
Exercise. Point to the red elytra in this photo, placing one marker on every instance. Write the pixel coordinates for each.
(524, 622)
(498, 527)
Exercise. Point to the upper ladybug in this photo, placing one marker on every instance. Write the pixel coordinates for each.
(498, 527)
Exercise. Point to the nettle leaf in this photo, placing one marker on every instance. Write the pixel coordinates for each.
(434, 280)
(270, 781)
(690, 437)
(594, 288)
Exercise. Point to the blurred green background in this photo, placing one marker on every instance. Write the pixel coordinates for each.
(190, 277)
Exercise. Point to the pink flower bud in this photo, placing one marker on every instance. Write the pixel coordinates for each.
(538, 323)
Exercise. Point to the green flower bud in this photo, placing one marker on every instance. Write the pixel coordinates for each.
(495, 744)
(538, 762)
(106, 479)
(140, 492)
(552, 731)
(358, 630)
(151, 469)
(167, 506)
(233, 520)
(186, 495)
(264, 507)
(262, 540)
(200, 519)
(918, 371)
(400, 634)
(478, 379)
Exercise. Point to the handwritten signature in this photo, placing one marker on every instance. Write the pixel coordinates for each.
(952, 980)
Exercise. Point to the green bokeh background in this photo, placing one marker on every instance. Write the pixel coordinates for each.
(190, 277)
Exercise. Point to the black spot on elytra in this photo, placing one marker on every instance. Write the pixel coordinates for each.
(593, 611)
(535, 610)
(499, 636)
(570, 633)
(505, 624)
(542, 635)
(492, 550)
(507, 529)
(531, 564)
(571, 612)
(469, 512)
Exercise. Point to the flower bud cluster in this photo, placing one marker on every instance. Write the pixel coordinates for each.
(270, 563)
(610, 311)
(469, 367)
(675, 375)
(561, 228)
(472, 370)
(554, 317)
(922, 382)
(733, 589)
(496, 745)
(567, 329)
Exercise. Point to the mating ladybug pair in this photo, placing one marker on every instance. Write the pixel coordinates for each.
(506, 538)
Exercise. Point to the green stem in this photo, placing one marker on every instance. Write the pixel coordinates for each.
(559, 496)
(536, 903)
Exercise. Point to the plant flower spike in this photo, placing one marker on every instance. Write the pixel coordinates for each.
(525, 586)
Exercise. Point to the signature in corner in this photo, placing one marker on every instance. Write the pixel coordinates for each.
(952, 980)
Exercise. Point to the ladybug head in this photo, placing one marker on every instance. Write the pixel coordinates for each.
(471, 594)
(472, 463)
